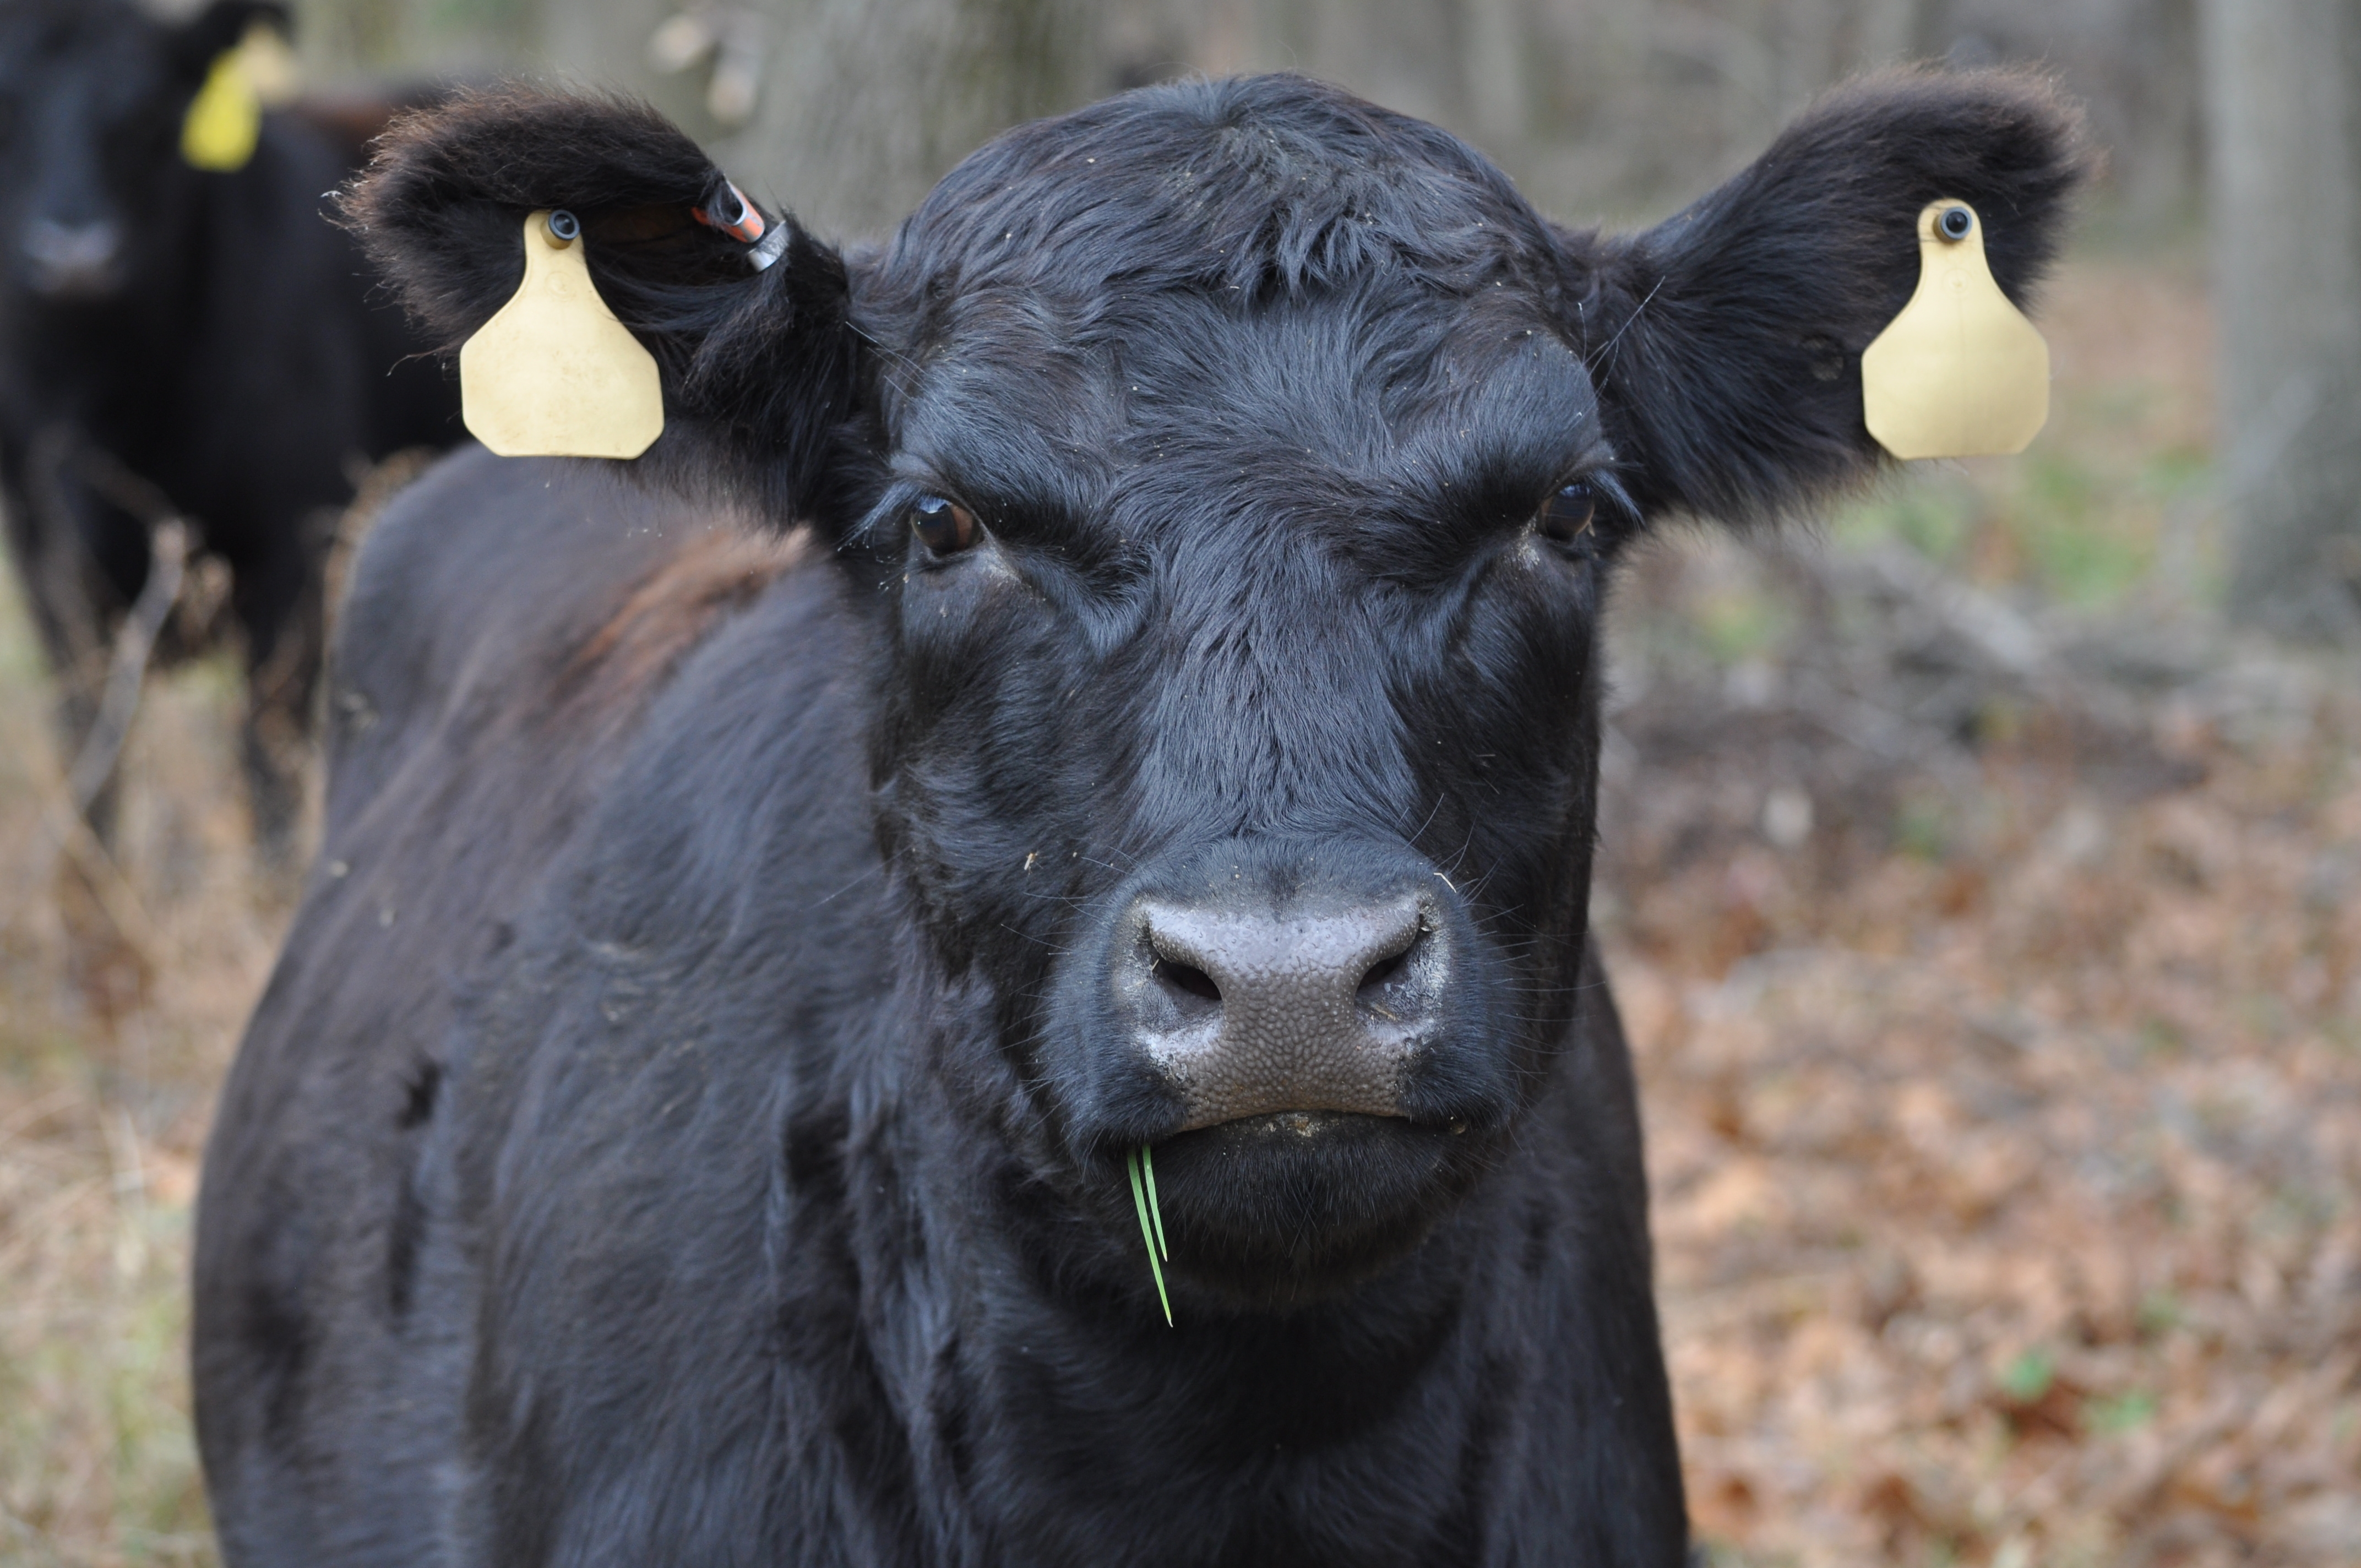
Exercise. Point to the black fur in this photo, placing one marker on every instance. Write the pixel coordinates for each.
(685, 1125)
(224, 350)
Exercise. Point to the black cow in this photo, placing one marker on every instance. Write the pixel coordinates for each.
(183, 339)
(1114, 669)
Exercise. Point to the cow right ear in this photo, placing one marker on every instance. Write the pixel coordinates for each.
(1727, 341)
(745, 316)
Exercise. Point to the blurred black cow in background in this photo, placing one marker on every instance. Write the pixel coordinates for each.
(183, 340)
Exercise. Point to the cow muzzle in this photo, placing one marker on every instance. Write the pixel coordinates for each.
(1312, 1035)
(1250, 1002)
(72, 261)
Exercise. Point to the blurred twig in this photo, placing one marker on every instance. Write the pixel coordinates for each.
(67, 815)
(135, 640)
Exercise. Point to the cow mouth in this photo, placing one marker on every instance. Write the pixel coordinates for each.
(78, 286)
(1282, 1207)
(1299, 1123)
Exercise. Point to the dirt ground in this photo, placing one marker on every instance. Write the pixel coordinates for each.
(1986, 926)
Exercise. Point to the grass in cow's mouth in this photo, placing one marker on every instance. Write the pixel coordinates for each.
(1141, 1166)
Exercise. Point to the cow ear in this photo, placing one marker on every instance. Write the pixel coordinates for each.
(744, 315)
(1727, 342)
(222, 25)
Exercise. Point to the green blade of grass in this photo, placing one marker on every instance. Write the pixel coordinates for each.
(1147, 1233)
(1147, 1169)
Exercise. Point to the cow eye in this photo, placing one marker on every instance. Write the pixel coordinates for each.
(944, 527)
(1566, 516)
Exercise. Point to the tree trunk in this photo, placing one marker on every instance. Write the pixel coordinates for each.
(862, 106)
(2283, 81)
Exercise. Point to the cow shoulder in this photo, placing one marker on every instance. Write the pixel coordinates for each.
(509, 628)
(496, 593)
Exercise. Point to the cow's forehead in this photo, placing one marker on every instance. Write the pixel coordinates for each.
(1264, 280)
(1265, 186)
(42, 32)
(49, 48)
(1380, 389)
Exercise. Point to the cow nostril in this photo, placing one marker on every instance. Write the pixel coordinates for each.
(1188, 980)
(1377, 987)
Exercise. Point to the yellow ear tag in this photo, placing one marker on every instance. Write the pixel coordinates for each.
(1960, 372)
(225, 118)
(554, 374)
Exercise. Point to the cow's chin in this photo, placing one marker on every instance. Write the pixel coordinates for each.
(1280, 1210)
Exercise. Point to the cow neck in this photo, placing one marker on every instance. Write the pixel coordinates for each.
(1028, 1390)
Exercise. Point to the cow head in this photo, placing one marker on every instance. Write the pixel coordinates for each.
(93, 95)
(1236, 470)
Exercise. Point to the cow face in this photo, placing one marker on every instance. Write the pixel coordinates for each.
(1236, 468)
(1242, 731)
(1250, 726)
(92, 98)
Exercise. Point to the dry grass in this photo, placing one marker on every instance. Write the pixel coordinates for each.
(2006, 1121)
(100, 1127)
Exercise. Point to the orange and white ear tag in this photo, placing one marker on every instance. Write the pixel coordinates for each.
(224, 123)
(1960, 372)
(554, 374)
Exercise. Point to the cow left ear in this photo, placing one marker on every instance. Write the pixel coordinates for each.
(744, 316)
(1727, 342)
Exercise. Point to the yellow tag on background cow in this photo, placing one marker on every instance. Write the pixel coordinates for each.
(554, 374)
(1960, 372)
(224, 119)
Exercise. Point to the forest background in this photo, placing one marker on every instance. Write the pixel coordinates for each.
(1980, 864)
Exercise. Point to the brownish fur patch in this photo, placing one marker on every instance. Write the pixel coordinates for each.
(668, 612)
